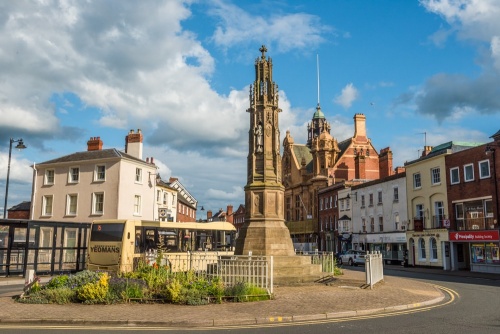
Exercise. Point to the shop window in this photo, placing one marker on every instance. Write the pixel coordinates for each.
(492, 253)
(477, 253)
(421, 249)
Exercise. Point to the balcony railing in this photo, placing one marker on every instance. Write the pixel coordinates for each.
(418, 224)
(438, 221)
(469, 224)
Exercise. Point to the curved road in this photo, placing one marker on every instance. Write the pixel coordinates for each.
(474, 308)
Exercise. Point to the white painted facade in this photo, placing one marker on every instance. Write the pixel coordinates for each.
(379, 214)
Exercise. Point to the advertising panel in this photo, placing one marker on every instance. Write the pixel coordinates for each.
(472, 236)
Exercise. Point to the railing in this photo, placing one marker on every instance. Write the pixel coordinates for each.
(232, 269)
(438, 221)
(374, 268)
(254, 270)
(186, 261)
(418, 224)
(326, 259)
(485, 223)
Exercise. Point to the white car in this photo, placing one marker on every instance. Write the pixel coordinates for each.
(352, 257)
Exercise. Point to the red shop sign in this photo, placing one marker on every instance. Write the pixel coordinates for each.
(474, 236)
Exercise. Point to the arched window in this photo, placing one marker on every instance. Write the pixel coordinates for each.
(434, 249)
(421, 249)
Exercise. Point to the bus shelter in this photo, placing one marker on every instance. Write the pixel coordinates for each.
(48, 247)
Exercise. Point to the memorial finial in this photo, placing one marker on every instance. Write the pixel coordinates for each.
(263, 49)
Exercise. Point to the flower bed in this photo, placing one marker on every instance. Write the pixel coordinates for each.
(148, 284)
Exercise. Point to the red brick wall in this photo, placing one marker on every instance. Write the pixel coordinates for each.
(18, 214)
(473, 189)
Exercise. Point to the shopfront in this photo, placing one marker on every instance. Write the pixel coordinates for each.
(392, 246)
(477, 251)
(345, 241)
(429, 248)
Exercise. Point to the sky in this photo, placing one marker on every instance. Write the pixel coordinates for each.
(423, 72)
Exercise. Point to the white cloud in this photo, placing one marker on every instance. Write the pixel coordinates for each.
(347, 97)
(282, 32)
(133, 65)
(495, 51)
(470, 19)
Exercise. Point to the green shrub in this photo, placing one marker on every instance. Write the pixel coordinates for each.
(242, 292)
(122, 289)
(193, 297)
(83, 277)
(61, 295)
(173, 291)
(57, 282)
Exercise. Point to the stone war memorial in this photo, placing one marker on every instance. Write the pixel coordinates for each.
(264, 232)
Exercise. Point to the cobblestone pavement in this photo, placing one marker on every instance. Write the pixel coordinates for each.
(339, 296)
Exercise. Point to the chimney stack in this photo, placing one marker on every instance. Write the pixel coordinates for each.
(399, 170)
(229, 214)
(94, 144)
(385, 162)
(427, 150)
(133, 143)
(359, 126)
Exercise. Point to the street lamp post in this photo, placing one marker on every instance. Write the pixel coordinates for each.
(19, 146)
(202, 209)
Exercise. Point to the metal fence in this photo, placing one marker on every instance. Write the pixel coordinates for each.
(374, 268)
(254, 270)
(234, 269)
(326, 259)
(231, 269)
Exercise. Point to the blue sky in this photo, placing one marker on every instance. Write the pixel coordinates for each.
(180, 71)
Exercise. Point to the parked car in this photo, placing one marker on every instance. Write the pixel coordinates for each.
(352, 257)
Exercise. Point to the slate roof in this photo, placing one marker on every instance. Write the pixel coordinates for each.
(343, 145)
(92, 155)
(454, 147)
(23, 206)
(302, 151)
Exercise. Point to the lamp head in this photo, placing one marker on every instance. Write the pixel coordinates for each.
(20, 144)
